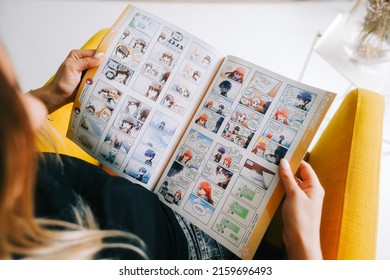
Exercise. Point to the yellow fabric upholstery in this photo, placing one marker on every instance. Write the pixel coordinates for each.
(347, 160)
(60, 119)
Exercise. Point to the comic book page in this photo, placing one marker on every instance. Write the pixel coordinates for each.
(223, 175)
(131, 111)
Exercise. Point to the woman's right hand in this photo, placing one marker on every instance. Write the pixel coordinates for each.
(301, 211)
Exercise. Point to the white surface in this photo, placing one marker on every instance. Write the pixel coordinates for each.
(278, 36)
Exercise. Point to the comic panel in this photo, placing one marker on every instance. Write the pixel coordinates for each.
(247, 192)
(237, 134)
(229, 229)
(247, 118)
(127, 56)
(237, 210)
(108, 94)
(147, 88)
(207, 192)
(209, 120)
(255, 101)
(228, 157)
(217, 174)
(92, 125)
(289, 116)
(165, 56)
(175, 103)
(191, 72)
(128, 125)
(86, 140)
(264, 84)
(235, 72)
(155, 72)
(117, 71)
(138, 171)
(199, 208)
(181, 174)
(99, 109)
(189, 158)
(155, 140)
(279, 133)
(145, 24)
(298, 98)
(226, 88)
(172, 193)
(183, 87)
(269, 150)
(146, 154)
(257, 174)
(119, 141)
(219, 105)
(136, 40)
(111, 156)
(136, 109)
(163, 123)
(197, 141)
(173, 39)
(200, 55)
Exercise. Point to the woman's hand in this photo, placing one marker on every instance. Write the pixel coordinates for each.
(63, 88)
(302, 210)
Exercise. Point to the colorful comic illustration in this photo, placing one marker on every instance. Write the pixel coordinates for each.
(229, 229)
(217, 174)
(128, 125)
(219, 105)
(173, 39)
(138, 171)
(145, 24)
(237, 134)
(99, 109)
(191, 71)
(183, 87)
(164, 56)
(279, 133)
(255, 101)
(240, 212)
(182, 175)
(136, 109)
(228, 157)
(92, 125)
(207, 192)
(209, 120)
(264, 84)
(269, 150)
(189, 158)
(175, 103)
(147, 88)
(107, 93)
(163, 123)
(86, 140)
(118, 141)
(226, 88)
(288, 116)
(199, 208)
(111, 156)
(200, 55)
(135, 40)
(127, 56)
(247, 118)
(146, 154)
(171, 192)
(247, 192)
(298, 98)
(197, 141)
(155, 72)
(155, 140)
(235, 72)
(257, 174)
(117, 71)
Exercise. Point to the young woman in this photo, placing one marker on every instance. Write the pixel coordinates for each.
(59, 207)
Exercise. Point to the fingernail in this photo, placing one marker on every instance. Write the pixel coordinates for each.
(98, 55)
(284, 164)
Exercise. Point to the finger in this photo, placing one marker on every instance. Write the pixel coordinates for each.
(311, 184)
(287, 177)
(307, 173)
(85, 63)
(77, 54)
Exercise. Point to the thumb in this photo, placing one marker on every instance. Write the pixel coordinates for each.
(287, 177)
(87, 62)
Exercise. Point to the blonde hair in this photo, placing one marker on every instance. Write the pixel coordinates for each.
(22, 235)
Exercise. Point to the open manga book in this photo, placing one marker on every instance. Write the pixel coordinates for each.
(202, 130)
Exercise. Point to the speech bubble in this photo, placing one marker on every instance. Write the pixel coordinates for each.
(228, 111)
(248, 93)
(245, 132)
(233, 151)
(198, 159)
(199, 209)
(275, 127)
(289, 93)
(256, 116)
(271, 145)
(193, 137)
(210, 125)
(298, 115)
(218, 193)
(220, 99)
(296, 125)
(212, 118)
(253, 125)
(236, 167)
(133, 66)
(183, 182)
(201, 147)
(139, 56)
(244, 101)
(208, 169)
(192, 174)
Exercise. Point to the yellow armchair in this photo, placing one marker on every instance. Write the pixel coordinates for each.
(346, 159)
